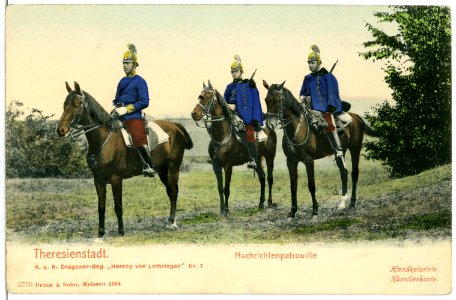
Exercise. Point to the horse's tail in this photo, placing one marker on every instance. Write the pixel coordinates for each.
(369, 130)
(188, 139)
(364, 126)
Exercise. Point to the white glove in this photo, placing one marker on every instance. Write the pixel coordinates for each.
(232, 106)
(119, 111)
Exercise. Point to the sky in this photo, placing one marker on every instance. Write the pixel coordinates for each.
(180, 46)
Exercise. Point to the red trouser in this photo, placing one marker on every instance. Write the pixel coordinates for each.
(138, 133)
(249, 133)
(330, 120)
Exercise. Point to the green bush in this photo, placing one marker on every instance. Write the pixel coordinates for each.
(33, 148)
(415, 132)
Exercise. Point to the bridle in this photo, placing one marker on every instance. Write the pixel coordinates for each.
(76, 129)
(284, 122)
(208, 118)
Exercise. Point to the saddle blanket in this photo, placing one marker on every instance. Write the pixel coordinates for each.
(156, 135)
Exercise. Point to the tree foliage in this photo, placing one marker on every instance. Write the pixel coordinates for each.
(33, 148)
(415, 131)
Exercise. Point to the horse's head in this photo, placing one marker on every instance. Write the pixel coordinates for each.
(206, 101)
(274, 104)
(73, 107)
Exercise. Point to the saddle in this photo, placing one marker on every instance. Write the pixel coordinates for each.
(155, 134)
(240, 128)
(318, 123)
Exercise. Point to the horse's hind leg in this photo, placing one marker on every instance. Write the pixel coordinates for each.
(355, 154)
(170, 179)
(100, 185)
(262, 179)
(116, 184)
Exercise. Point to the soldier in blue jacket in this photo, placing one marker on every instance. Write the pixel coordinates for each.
(132, 97)
(243, 97)
(321, 89)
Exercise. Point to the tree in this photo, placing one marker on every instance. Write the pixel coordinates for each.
(33, 148)
(415, 131)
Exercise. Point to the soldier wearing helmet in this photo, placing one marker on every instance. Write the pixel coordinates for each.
(132, 96)
(243, 97)
(320, 87)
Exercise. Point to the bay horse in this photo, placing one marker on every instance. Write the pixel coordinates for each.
(111, 161)
(301, 144)
(226, 150)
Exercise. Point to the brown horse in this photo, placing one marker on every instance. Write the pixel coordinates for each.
(301, 144)
(111, 161)
(226, 150)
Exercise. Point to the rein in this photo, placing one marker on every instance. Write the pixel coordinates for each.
(77, 129)
(284, 122)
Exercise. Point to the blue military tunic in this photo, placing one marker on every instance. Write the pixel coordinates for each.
(323, 90)
(132, 90)
(247, 100)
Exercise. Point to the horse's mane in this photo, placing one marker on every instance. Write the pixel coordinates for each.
(223, 104)
(291, 102)
(94, 108)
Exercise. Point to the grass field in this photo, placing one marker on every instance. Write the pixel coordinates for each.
(65, 210)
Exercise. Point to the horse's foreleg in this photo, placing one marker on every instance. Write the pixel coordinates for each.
(311, 184)
(270, 168)
(116, 184)
(100, 185)
(344, 178)
(218, 174)
(293, 171)
(228, 172)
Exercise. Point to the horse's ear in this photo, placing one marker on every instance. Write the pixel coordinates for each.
(204, 85)
(68, 87)
(77, 88)
(265, 84)
(210, 85)
(281, 85)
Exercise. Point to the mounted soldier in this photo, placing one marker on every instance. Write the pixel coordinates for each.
(243, 98)
(320, 90)
(132, 97)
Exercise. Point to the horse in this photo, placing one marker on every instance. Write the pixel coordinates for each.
(111, 161)
(302, 144)
(226, 150)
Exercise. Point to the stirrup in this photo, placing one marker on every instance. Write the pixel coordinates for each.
(251, 164)
(149, 172)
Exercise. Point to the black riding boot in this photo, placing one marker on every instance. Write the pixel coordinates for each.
(334, 141)
(251, 147)
(148, 166)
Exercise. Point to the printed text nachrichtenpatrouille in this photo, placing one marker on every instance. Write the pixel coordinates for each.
(272, 255)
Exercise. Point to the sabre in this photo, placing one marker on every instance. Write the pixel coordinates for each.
(333, 66)
(251, 77)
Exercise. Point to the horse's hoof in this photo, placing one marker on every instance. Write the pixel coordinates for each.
(342, 203)
(172, 226)
(101, 234)
(261, 206)
(272, 205)
(121, 232)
